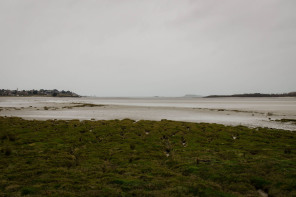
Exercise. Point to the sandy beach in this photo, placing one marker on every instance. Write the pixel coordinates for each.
(251, 112)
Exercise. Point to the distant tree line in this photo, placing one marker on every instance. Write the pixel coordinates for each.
(40, 92)
(291, 94)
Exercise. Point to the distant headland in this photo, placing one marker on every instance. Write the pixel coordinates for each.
(41, 92)
(291, 94)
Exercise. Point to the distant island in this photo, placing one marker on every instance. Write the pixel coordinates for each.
(291, 94)
(41, 92)
(192, 95)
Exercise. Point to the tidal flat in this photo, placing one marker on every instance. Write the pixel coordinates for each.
(251, 112)
(144, 158)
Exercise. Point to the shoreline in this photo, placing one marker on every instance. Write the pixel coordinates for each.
(109, 109)
(249, 119)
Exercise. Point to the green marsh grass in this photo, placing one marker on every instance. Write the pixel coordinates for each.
(143, 158)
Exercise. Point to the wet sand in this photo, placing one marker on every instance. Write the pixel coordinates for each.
(251, 112)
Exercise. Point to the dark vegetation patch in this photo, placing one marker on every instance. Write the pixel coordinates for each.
(144, 158)
(82, 105)
(230, 110)
(73, 105)
(293, 121)
(49, 108)
(10, 108)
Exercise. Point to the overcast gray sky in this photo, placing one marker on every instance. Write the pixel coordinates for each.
(149, 47)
